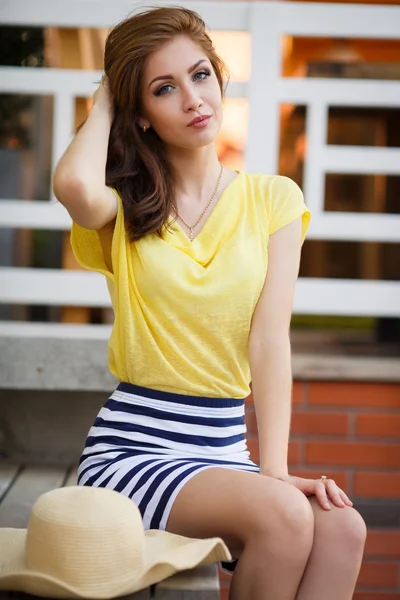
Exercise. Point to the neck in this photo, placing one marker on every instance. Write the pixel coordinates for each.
(195, 173)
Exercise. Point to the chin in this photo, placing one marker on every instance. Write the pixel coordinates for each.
(193, 139)
(199, 139)
(200, 144)
(192, 144)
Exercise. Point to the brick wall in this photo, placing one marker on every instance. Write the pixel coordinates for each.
(351, 433)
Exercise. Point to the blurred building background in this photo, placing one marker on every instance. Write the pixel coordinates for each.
(314, 95)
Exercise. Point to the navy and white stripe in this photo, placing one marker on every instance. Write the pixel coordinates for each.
(147, 444)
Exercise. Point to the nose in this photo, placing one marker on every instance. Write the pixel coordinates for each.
(191, 99)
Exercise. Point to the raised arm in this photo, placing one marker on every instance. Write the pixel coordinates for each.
(79, 178)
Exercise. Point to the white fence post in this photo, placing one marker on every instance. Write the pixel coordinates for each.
(266, 91)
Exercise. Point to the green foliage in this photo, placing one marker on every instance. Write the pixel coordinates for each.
(332, 322)
(21, 46)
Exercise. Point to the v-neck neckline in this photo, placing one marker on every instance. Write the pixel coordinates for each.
(179, 229)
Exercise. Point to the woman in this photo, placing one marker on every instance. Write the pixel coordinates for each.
(185, 243)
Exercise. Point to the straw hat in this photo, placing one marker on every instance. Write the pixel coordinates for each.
(87, 542)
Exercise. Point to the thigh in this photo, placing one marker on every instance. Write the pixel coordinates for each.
(235, 505)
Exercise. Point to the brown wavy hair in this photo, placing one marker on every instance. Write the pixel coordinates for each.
(137, 164)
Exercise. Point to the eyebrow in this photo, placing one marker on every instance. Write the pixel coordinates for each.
(169, 76)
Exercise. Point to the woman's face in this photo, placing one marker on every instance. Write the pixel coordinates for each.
(179, 85)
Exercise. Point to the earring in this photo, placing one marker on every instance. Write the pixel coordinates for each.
(144, 128)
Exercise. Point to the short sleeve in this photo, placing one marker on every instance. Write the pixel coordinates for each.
(286, 204)
(87, 248)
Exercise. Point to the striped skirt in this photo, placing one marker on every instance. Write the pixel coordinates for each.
(147, 444)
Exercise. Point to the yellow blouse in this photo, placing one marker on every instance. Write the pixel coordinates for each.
(182, 309)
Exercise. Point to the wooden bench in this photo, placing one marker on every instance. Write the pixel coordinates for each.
(21, 485)
(53, 380)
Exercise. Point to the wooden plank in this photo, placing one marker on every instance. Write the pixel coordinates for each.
(7, 475)
(71, 477)
(142, 595)
(313, 366)
(16, 507)
(201, 583)
(72, 56)
(313, 296)
(20, 493)
(77, 287)
(29, 329)
(103, 13)
(17, 504)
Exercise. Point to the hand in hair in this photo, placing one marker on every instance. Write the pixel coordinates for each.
(102, 96)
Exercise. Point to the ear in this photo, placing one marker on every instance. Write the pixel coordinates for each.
(143, 123)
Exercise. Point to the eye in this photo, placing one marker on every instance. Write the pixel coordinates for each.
(199, 76)
(204, 74)
(163, 91)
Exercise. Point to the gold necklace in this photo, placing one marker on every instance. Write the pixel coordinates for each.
(191, 227)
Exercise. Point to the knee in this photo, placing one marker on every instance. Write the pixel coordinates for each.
(287, 514)
(351, 529)
(295, 515)
(284, 527)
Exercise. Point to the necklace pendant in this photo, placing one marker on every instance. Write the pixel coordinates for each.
(204, 211)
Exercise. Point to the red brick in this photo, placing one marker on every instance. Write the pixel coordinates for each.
(378, 424)
(371, 574)
(383, 543)
(298, 392)
(294, 452)
(378, 574)
(353, 394)
(373, 484)
(376, 596)
(224, 578)
(338, 476)
(353, 453)
(224, 594)
(314, 422)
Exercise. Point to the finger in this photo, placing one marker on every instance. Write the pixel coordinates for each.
(321, 495)
(333, 492)
(345, 498)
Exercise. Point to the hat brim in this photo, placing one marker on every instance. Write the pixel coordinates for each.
(165, 554)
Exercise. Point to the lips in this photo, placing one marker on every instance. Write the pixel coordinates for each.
(198, 120)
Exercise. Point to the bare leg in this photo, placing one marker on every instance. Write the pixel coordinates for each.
(335, 559)
(266, 523)
(271, 570)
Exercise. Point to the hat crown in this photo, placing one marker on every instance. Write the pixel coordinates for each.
(84, 536)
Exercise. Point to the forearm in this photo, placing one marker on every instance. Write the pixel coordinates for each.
(83, 165)
(270, 364)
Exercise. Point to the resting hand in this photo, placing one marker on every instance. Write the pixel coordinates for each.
(323, 490)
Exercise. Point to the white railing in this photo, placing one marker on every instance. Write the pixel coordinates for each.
(265, 91)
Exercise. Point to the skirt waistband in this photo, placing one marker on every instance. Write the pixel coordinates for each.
(213, 402)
